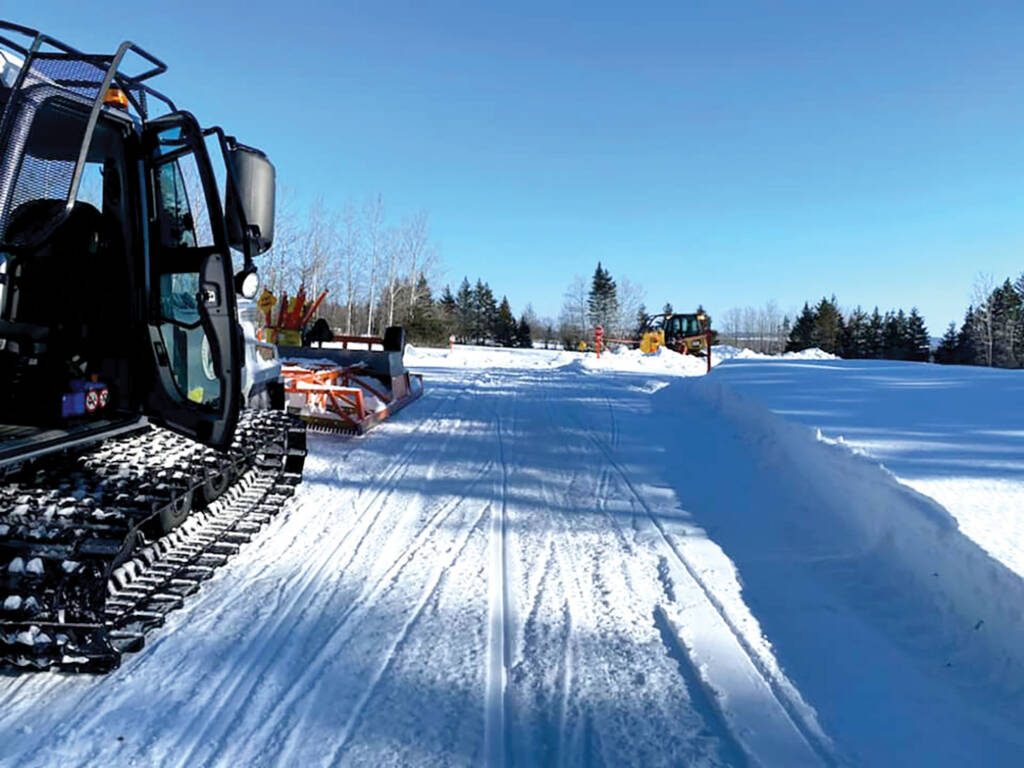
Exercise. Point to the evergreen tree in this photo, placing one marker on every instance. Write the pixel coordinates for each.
(895, 337)
(803, 329)
(919, 344)
(946, 352)
(876, 335)
(1006, 312)
(464, 306)
(448, 310)
(447, 302)
(603, 302)
(857, 341)
(1018, 335)
(965, 348)
(524, 337)
(485, 313)
(425, 322)
(505, 330)
(827, 331)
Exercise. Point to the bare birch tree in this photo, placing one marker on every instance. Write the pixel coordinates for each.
(347, 265)
(631, 298)
(417, 254)
(319, 240)
(756, 328)
(984, 319)
(277, 265)
(393, 252)
(376, 239)
(575, 302)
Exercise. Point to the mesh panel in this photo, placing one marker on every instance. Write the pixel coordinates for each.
(82, 77)
(51, 146)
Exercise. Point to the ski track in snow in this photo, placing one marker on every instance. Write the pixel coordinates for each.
(505, 574)
(310, 581)
(499, 623)
(789, 739)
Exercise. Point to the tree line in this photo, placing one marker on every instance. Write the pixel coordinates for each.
(992, 331)
(472, 315)
(376, 269)
(895, 335)
(381, 271)
(991, 334)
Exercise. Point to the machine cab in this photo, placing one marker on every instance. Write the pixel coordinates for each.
(677, 326)
(117, 293)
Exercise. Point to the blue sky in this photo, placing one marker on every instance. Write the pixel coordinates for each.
(717, 152)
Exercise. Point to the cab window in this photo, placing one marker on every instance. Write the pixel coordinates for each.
(181, 232)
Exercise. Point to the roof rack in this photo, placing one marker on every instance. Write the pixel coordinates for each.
(47, 65)
(41, 47)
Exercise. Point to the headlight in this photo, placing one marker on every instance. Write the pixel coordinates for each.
(247, 283)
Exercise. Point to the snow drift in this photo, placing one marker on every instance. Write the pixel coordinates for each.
(972, 599)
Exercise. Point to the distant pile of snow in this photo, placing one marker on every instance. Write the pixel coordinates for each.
(729, 352)
(471, 356)
(664, 361)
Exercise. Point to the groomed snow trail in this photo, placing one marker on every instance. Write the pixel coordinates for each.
(524, 568)
(463, 586)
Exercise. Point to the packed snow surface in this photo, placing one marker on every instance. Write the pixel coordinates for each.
(555, 559)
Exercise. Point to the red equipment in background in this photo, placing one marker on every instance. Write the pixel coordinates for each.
(292, 316)
(345, 383)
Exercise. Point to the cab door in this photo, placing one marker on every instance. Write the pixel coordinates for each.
(193, 331)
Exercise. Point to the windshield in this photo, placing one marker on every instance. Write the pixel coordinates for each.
(683, 325)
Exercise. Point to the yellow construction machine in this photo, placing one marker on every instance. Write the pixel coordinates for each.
(685, 333)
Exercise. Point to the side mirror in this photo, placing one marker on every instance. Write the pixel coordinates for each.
(250, 202)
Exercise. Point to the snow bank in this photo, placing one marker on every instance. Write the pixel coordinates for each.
(617, 359)
(953, 433)
(671, 363)
(806, 354)
(931, 574)
(729, 352)
(663, 361)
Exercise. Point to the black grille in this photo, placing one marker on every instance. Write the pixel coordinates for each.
(83, 76)
(48, 148)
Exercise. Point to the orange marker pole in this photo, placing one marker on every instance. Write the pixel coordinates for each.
(312, 310)
(282, 311)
